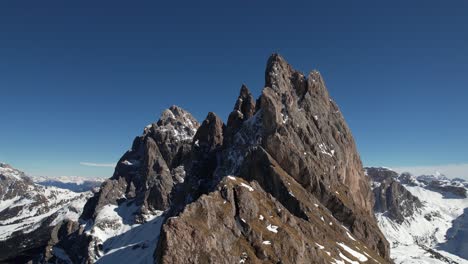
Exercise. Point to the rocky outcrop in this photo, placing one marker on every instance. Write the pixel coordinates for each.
(155, 164)
(282, 182)
(293, 154)
(144, 182)
(391, 197)
(243, 110)
(240, 222)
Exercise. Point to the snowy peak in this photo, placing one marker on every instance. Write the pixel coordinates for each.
(177, 123)
(142, 187)
(29, 212)
(8, 172)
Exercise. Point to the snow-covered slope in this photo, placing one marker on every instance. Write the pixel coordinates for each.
(118, 238)
(29, 211)
(23, 213)
(423, 237)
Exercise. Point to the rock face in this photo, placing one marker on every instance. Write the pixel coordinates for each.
(296, 168)
(144, 183)
(282, 182)
(155, 164)
(391, 197)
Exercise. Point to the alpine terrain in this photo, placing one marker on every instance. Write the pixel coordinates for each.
(424, 218)
(32, 215)
(281, 182)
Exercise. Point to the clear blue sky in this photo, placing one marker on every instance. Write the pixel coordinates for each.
(80, 79)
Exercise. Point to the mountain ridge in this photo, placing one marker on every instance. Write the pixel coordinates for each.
(30, 213)
(423, 224)
(285, 166)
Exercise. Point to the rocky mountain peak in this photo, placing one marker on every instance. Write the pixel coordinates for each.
(175, 115)
(148, 172)
(13, 183)
(245, 103)
(295, 137)
(210, 134)
(282, 182)
(244, 109)
(8, 172)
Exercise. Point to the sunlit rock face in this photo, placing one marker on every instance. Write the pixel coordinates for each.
(281, 182)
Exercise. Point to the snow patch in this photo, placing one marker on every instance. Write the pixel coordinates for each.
(353, 252)
(272, 228)
(247, 186)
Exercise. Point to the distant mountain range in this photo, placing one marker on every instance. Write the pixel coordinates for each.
(424, 218)
(72, 183)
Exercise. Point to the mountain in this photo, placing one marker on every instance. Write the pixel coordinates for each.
(72, 183)
(392, 199)
(424, 217)
(30, 215)
(281, 182)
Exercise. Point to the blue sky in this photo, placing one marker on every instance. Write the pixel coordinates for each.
(79, 80)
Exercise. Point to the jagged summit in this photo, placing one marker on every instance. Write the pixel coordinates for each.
(281, 182)
(296, 134)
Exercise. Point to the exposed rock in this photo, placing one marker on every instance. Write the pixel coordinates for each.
(243, 110)
(240, 223)
(281, 183)
(145, 179)
(206, 146)
(149, 171)
(392, 198)
(297, 137)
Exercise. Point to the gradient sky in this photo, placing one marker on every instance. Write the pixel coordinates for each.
(80, 79)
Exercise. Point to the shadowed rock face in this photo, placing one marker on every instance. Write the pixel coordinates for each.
(155, 164)
(282, 182)
(146, 176)
(391, 197)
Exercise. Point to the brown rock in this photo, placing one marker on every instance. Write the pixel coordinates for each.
(297, 150)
